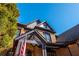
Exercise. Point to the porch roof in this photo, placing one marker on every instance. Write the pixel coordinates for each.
(32, 32)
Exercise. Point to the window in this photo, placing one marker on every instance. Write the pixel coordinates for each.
(17, 33)
(43, 25)
(47, 36)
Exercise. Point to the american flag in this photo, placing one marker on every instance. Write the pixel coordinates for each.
(22, 49)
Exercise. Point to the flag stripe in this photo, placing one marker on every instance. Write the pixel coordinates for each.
(22, 49)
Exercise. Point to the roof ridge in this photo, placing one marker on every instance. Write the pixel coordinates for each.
(33, 21)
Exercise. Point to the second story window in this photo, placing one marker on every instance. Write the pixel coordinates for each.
(43, 25)
(47, 36)
(17, 33)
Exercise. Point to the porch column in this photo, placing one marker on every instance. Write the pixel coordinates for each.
(18, 48)
(44, 50)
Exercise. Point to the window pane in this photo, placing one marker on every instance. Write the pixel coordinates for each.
(17, 33)
(47, 36)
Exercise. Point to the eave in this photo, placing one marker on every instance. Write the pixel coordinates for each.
(39, 28)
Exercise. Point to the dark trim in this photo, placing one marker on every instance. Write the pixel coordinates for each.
(30, 36)
(36, 39)
(21, 25)
(22, 34)
(40, 37)
(69, 51)
(50, 27)
(53, 47)
(66, 43)
(27, 28)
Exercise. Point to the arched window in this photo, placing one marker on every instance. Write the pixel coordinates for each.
(47, 36)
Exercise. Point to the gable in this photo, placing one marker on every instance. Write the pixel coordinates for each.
(30, 38)
(38, 38)
(35, 38)
(31, 41)
(44, 25)
(42, 33)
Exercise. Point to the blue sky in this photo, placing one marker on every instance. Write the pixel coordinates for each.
(60, 17)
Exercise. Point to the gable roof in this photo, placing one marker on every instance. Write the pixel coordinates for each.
(34, 32)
